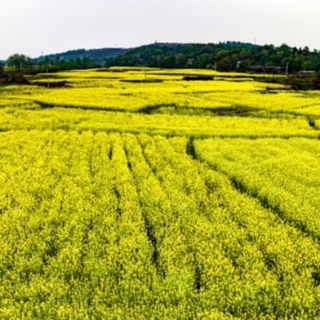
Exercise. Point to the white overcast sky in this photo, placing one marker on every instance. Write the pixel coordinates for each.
(30, 26)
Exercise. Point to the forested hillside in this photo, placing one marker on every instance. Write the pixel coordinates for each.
(96, 54)
(225, 57)
(229, 56)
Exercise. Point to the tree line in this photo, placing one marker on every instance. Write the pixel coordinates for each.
(229, 56)
(23, 63)
(17, 66)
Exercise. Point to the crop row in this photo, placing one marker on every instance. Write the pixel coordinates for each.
(132, 227)
(32, 117)
(282, 174)
(108, 91)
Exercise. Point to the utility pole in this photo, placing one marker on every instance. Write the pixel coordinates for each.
(287, 70)
(47, 71)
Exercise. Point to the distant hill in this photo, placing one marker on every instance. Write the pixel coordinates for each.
(227, 56)
(97, 55)
(179, 55)
(100, 55)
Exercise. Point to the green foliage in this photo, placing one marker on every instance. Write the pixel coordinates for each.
(241, 57)
(225, 65)
(162, 55)
(1, 68)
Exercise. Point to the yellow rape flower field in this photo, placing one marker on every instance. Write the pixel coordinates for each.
(131, 193)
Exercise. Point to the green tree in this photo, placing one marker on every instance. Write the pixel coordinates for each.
(243, 66)
(225, 65)
(168, 62)
(17, 61)
(29, 64)
(306, 51)
(85, 62)
(222, 54)
(307, 65)
(1, 68)
(202, 61)
(286, 50)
